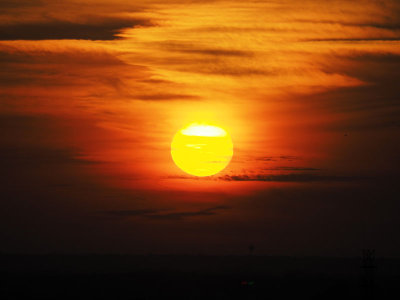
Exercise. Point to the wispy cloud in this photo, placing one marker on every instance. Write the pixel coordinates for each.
(283, 168)
(164, 215)
(277, 158)
(294, 177)
(106, 28)
(165, 96)
(24, 146)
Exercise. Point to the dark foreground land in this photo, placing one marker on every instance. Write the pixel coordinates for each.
(194, 277)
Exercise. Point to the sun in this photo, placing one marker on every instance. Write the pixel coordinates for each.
(201, 149)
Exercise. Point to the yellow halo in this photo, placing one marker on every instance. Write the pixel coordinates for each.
(201, 149)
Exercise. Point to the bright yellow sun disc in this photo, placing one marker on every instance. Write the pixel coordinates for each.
(201, 149)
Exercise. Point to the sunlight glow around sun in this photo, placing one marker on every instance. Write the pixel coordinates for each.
(201, 149)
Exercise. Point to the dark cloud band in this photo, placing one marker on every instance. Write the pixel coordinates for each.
(104, 29)
(161, 215)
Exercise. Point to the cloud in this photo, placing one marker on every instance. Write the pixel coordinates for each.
(51, 69)
(40, 157)
(58, 68)
(50, 72)
(282, 168)
(25, 146)
(371, 39)
(382, 24)
(106, 28)
(132, 213)
(165, 96)
(180, 215)
(294, 177)
(6, 5)
(277, 158)
(192, 48)
(161, 215)
(373, 106)
(288, 177)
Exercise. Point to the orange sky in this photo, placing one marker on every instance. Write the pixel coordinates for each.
(92, 93)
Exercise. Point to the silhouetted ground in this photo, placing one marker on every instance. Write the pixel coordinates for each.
(191, 277)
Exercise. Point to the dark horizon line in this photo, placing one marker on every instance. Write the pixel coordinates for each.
(193, 255)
